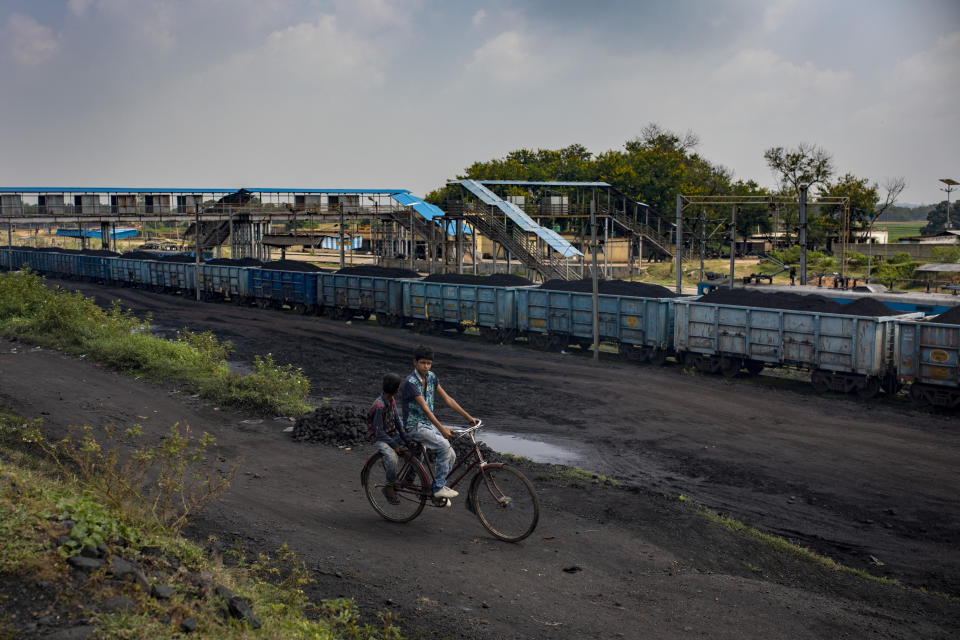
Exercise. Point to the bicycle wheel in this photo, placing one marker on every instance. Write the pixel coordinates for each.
(411, 492)
(505, 502)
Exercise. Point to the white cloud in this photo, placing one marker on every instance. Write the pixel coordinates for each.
(79, 7)
(775, 13)
(507, 58)
(479, 17)
(30, 42)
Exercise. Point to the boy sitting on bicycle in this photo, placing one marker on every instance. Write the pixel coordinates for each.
(385, 429)
(417, 395)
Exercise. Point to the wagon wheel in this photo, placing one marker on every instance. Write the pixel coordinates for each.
(626, 352)
(754, 367)
(557, 341)
(383, 319)
(507, 336)
(730, 366)
(820, 381)
(708, 364)
(869, 388)
(917, 395)
(657, 356)
(539, 341)
(490, 334)
(460, 328)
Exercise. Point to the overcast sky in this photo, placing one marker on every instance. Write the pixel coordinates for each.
(406, 94)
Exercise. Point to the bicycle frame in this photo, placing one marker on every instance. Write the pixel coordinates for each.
(475, 459)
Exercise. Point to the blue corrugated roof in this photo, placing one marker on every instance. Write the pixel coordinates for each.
(91, 233)
(187, 191)
(425, 209)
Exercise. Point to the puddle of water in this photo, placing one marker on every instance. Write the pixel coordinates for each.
(534, 449)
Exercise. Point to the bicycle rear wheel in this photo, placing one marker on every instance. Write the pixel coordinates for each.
(505, 502)
(411, 490)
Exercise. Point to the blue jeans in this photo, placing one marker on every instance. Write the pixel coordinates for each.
(389, 460)
(430, 438)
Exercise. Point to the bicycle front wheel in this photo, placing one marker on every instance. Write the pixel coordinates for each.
(505, 502)
(410, 493)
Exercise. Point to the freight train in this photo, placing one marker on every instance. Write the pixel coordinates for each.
(860, 354)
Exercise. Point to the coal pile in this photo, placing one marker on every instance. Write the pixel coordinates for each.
(464, 449)
(290, 265)
(238, 262)
(771, 300)
(379, 272)
(611, 287)
(495, 280)
(99, 252)
(138, 255)
(865, 307)
(947, 317)
(177, 257)
(340, 426)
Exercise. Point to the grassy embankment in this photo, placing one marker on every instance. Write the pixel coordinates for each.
(69, 322)
(132, 500)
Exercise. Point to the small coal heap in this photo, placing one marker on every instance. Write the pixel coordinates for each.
(340, 426)
(947, 317)
(797, 302)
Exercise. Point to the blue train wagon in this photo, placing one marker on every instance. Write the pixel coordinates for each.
(344, 296)
(273, 288)
(92, 268)
(843, 353)
(642, 328)
(129, 273)
(436, 306)
(173, 277)
(928, 358)
(223, 282)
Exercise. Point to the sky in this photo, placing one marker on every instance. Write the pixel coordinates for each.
(408, 93)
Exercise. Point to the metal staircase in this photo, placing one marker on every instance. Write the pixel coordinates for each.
(521, 245)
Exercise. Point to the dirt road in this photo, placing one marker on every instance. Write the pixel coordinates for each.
(872, 485)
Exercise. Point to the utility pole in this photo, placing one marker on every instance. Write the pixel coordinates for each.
(803, 233)
(733, 242)
(596, 282)
(678, 259)
(196, 250)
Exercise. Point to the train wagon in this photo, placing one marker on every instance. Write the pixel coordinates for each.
(928, 358)
(436, 306)
(844, 353)
(91, 268)
(642, 327)
(222, 282)
(129, 273)
(344, 296)
(173, 277)
(272, 288)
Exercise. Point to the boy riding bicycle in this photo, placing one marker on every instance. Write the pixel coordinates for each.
(417, 394)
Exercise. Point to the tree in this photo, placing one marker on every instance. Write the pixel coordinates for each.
(937, 218)
(807, 164)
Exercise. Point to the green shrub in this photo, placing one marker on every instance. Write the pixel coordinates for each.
(901, 257)
(857, 260)
(68, 321)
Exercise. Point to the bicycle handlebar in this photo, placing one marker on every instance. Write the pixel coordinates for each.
(465, 430)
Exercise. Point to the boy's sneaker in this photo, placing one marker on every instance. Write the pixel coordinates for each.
(445, 492)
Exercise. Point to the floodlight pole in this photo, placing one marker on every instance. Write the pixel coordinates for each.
(951, 184)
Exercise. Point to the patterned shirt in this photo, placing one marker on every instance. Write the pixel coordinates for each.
(413, 415)
(384, 422)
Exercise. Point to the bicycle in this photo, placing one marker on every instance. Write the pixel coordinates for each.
(500, 495)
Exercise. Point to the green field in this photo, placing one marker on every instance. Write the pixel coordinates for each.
(898, 230)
